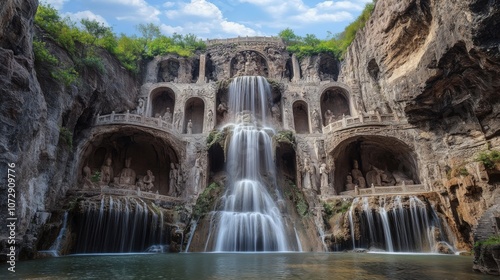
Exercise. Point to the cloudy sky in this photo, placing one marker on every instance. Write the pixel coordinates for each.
(217, 18)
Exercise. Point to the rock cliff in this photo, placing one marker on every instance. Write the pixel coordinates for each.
(42, 119)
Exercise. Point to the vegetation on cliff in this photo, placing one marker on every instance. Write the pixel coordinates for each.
(334, 44)
(82, 42)
(489, 158)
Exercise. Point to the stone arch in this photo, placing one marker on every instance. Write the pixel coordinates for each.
(394, 157)
(148, 149)
(329, 67)
(161, 98)
(194, 111)
(249, 62)
(168, 70)
(334, 103)
(301, 117)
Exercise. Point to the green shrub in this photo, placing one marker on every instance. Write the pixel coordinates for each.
(66, 136)
(42, 54)
(492, 240)
(96, 177)
(489, 158)
(67, 76)
(206, 200)
(92, 62)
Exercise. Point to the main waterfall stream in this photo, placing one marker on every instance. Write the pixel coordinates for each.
(250, 220)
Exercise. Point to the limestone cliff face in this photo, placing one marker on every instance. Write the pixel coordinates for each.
(437, 62)
(33, 109)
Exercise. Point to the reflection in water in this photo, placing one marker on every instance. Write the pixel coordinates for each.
(252, 266)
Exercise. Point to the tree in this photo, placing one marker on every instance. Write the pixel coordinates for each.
(96, 29)
(288, 36)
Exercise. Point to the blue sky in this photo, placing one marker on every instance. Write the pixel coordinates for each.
(217, 18)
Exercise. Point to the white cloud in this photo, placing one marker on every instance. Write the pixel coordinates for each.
(57, 4)
(204, 19)
(77, 17)
(133, 10)
(168, 4)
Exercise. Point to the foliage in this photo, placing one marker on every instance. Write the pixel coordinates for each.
(285, 136)
(206, 199)
(492, 240)
(129, 50)
(93, 62)
(66, 136)
(335, 45)
(297, 197)
(489, 158)
(216, 136)
(42, 54)
(332, 209)
(96, 177)
(65, 75)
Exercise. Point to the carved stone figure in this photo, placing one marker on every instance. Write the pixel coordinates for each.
(357, 175)
(140, 107)
(329, 117)
(189, 129)
(222, 109)
(106, 172)
(198, 173)
(373, 177)
(401, 178)
(168, 116)
(323, 171)
(316, 121)
(172, 186)
(387, 179)
(87, 173)
(127, 175)
(210, 119)
(177, 120)
(179, 179)
(308, 173)
(349, 185)
(146, 183)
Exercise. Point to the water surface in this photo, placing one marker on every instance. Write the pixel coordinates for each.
(249, 266)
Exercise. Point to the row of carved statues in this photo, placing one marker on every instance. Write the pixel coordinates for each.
(374, 177)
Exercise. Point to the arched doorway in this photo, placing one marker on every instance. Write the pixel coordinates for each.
(334, 104)
(249, 63)
(162, 100)
(301, 117)
(194, 113)
(393, 159)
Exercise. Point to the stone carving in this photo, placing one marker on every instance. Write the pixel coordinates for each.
(308, 174)
(172, 185)
(168, 116)
(323, 171)
(373, 177)
(140, 107)
(275, 110)
(87, 173)
(349, 185)
(401, 178)
(222, 109)
(210, 119)
(106, 172)
(316, 121)
(329, 117)
(357, 175)
(179, 179)
(146, 183)
(198, 174)
(177, 119)
(127, 175)
(189, 129)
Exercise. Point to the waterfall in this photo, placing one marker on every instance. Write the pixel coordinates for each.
(56, 246)
(408, 225)
(250, 220)
(119, 225)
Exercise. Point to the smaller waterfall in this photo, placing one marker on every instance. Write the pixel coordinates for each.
(119, 225)
(409, 225)
(55, 249)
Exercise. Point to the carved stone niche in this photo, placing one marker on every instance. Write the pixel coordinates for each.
(249, 63)
(301, 117)
(194, 112)
(161, 99)
(334, 105)
(168, 70)
(146, 151)
(329, 67)
(388, 155)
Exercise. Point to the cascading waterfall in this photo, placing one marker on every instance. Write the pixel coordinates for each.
(250, 220)
(119, 225)
(409, 226)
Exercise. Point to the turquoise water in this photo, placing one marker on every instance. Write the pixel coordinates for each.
(248, 266)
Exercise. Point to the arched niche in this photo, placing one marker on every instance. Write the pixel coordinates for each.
(286, 161)
(249, 63)
(168, 70)
(216, 162)
(396, 159)
(194, 111)
(336, 101)
(161, 99)
(301, 117)
(329, 67)
(147, 152)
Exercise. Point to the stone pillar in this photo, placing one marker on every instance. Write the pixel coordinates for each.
(295, 68)
(203, 62)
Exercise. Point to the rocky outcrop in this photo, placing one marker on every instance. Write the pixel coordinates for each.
(42, 119)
